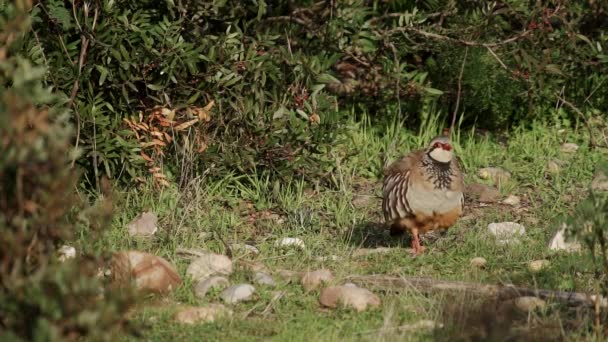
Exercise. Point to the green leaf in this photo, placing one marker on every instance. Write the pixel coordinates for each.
(433, 91)
(155, 87)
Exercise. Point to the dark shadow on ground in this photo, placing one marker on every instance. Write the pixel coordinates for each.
(374, 234)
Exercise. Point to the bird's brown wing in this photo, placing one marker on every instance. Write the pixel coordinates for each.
(395, 186)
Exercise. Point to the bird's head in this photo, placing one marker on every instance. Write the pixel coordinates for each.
(441, 150)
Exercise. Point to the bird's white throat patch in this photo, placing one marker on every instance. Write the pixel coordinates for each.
(441, 155)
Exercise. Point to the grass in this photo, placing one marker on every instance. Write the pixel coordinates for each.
(331, 223)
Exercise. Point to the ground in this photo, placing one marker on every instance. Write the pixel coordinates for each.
(338, 221)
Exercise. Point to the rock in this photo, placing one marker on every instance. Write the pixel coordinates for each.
(148, 272)
(312, 280)
(511, 200)
(599, 182)
(537, 265)
(328, 258)
(506, 232)
(568, 147)
(245, 248)
(238, 293)
(361, 252)
(529, 303)
(252, 266)
(208, 265)
(203, 314)
(66, 252)
(558, 242)
(478, 262)
(483, 193)
(290, 242)
(554, 166)
(355, 297)
(143, 225)
(204, 285)
(496, 174)
(264, 279)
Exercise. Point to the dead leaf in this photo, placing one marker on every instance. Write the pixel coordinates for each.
(149, 272)
(185, 125)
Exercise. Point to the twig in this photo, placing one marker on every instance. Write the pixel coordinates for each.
(502, 64)
(427, 285)
(455, 40)
(456, 107)
(592, 144)
(81, 61)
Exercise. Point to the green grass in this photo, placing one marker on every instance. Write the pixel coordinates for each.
(330, 224)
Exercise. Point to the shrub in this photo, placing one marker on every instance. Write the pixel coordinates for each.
(41, 298)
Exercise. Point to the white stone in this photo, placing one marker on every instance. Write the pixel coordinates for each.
(537, 265)
(506, 232)
(312, 280)
(558, 242)
(569, 147)
(290, 242)
(208, 265)
(529, 303)
(238, 293)
(66, 252)
(511, 200)
(355, 297)
(478, 262)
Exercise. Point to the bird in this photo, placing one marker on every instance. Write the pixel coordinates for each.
(423, 191)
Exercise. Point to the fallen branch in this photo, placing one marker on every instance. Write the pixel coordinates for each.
(502, 292)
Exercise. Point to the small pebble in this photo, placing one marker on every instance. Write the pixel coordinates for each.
(143, 225)
(194, 315)
(558, 242)
(290, 242)
(207, 265)
(355, 297)
(312, 280)
(506, 232)
(554, 166)
(599, 182)
(529, 303)
(478, 262)
(496, 174)
(203, 286)
(569, 147)
(511, 200)
(66, 252)
(328, 258)
(238, 293)
(264, 279)
(537, 265)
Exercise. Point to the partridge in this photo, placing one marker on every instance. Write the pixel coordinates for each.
(423, 191)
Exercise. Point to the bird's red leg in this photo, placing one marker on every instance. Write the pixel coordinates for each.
(418, 249)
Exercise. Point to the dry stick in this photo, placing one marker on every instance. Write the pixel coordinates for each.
(426, 285)
(587, 124)
(502, 64)
(81, 60)
(457, 40)
(464, 60)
